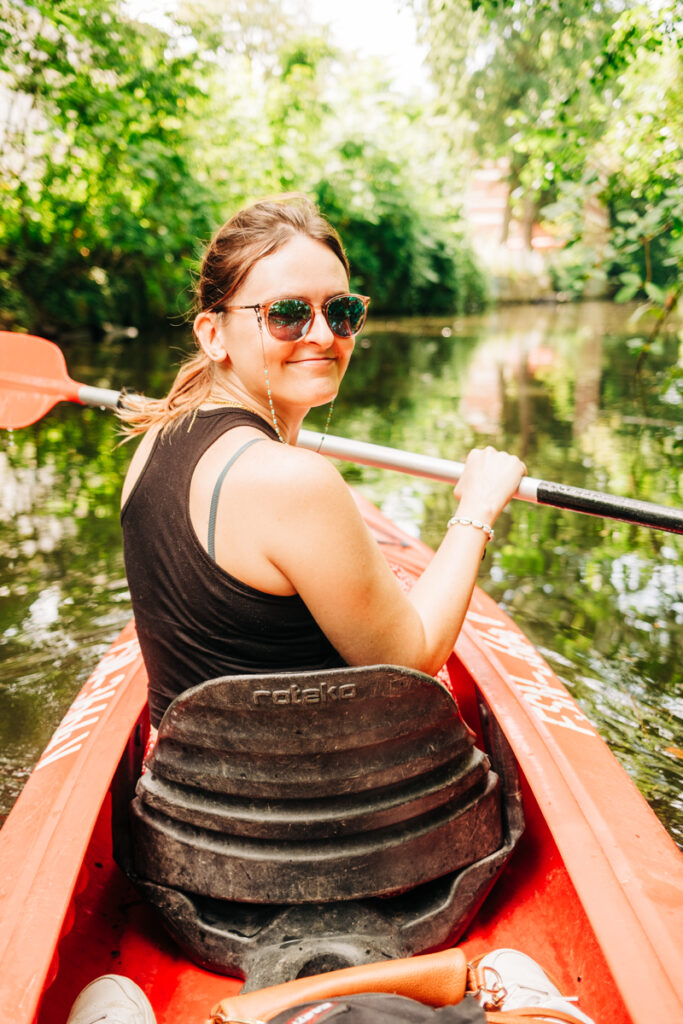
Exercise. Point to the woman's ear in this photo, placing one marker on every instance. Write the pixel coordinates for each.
(210, 337)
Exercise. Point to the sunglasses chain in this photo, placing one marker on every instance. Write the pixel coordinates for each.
(270, 396)
(327, 424)
(265, 368)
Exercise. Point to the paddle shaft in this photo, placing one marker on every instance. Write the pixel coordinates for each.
(539, 492)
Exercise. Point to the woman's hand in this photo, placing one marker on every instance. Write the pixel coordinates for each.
(489, 480)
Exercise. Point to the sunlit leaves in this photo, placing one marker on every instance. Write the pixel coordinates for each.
(585, 101)
(99, 166)
(129, 143)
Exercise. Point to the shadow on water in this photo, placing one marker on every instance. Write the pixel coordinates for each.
(602, 600)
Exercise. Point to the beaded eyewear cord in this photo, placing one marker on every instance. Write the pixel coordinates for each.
(291, 319)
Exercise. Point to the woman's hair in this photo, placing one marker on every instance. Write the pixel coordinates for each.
(254, 232)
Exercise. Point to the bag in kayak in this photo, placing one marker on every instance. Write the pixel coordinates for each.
(380, 1008)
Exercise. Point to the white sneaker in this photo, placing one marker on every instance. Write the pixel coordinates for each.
(112, 999)
(512, 980)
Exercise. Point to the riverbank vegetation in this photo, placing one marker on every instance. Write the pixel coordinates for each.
(123, 144)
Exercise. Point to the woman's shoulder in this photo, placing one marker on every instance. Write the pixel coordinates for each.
(294, 468)
(298, 482)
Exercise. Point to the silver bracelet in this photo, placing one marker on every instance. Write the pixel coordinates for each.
(477, 523)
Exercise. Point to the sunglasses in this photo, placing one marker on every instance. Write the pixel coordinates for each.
(292, 319)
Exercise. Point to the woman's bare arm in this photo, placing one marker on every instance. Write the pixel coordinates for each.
(319, 541)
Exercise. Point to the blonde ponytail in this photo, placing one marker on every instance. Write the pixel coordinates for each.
(189, 390)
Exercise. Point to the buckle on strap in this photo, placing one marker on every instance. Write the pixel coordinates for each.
(486, 985)
(220, 1018)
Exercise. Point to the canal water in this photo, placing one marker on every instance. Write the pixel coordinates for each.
(563, 386)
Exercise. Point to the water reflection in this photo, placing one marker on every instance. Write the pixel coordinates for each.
(602, 600)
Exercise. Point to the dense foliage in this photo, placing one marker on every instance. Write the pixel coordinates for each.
(97, 183)
(124, 145)
(584, 101)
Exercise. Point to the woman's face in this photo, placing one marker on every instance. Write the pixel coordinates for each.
(304, 373)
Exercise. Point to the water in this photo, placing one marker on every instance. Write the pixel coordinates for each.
(603, 601)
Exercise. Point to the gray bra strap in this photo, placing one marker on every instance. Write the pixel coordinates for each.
(217, 491)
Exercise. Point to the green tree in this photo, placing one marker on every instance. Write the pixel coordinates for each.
(584, 99)
(125, 145)
(402, 254)
(634, 169)
(100, 206)
(285, 115)
(527, 78)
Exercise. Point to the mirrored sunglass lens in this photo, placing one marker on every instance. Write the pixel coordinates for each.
(289, 319)
(345, 315)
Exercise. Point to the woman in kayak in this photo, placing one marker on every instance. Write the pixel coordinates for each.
(245, 553)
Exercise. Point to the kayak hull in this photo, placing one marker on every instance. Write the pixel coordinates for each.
(593, 891)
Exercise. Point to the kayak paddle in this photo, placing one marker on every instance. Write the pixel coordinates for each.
(34, 377)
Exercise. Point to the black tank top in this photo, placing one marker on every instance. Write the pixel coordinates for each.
(194, 620)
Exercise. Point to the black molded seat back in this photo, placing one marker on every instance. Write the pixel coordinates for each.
(309, 789)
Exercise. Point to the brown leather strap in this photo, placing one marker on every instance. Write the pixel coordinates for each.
(528, 1015)
(437, 979)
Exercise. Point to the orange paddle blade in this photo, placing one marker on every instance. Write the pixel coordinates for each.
(33, 378)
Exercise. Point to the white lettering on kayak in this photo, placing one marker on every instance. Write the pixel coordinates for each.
(93, 699)
(540, 688)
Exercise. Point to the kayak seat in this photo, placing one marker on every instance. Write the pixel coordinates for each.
(316, 818)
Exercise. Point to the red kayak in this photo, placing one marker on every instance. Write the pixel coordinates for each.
(593, 889)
